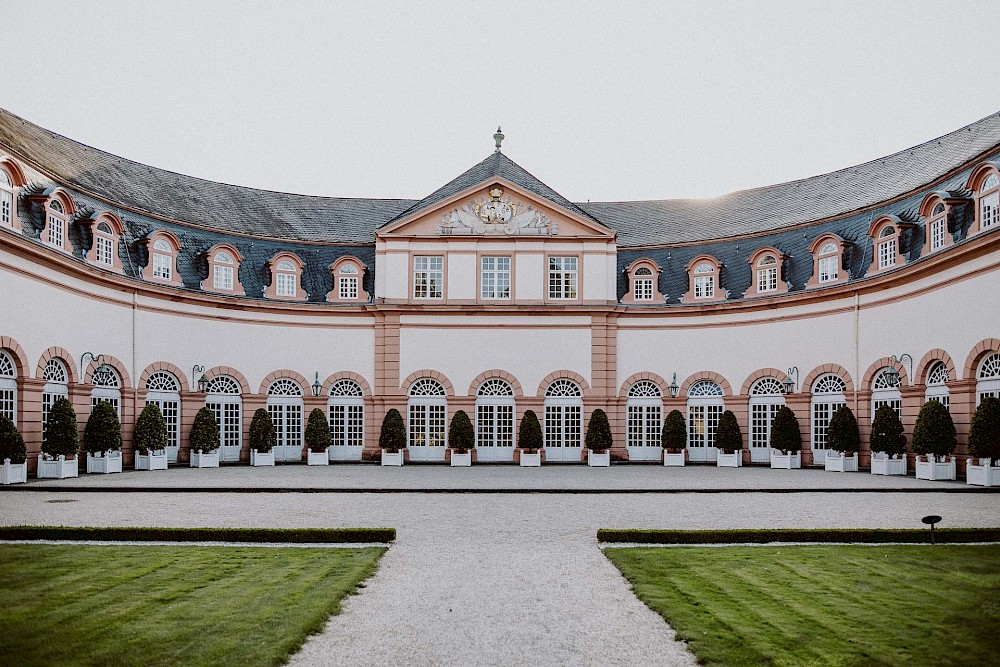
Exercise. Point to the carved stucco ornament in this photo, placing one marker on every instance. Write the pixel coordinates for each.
(496, 215)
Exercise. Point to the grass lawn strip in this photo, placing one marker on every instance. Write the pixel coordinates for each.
(829, 605)
(190, 605)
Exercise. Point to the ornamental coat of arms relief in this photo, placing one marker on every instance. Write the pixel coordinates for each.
(496, 215)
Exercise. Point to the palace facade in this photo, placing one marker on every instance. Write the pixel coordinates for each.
(494, 295)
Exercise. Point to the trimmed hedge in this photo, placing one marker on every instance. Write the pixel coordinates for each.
(393, 433)
(529, 435)
(785, 433)
(318, 437)
(62, 434)
(842, 434)
(249, 535)
(984, 431)
(103, 432)
(728, 436)
(598, 438)
(11, 442)
(461, 437)
(673, 437)
(150, 430)
(887, 432)
(204, 432)
(934, 432)
(262, 435)
(763, 536)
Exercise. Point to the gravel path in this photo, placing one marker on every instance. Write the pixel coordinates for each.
(498, 579)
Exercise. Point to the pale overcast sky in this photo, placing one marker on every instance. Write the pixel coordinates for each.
(602, 101)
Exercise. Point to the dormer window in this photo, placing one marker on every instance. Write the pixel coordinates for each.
(104, 248)
(766, 265)
(829, 263)
(104, 243)
(989, 202)
(286, 278)
(887, 247)
(704, 280)
(935, 209)
(163, 260)
(642, 277)
(885, 233)
(937, 227)
(7, 199)
(222, 273)
(56, 223)
(827, 251)
(162, 265)
(223, 270)
(348, 283)
(643, 284)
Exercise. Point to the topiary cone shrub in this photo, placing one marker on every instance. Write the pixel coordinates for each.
(673, 438)
(887, 432)
(62, 434)
(934, 432)
(205, 431)
(262, 435)
(103, 432)
(785, 434)
(598, 438)
(318, 436)
(842, 434)
(728, 436)
(529, 433)
(151, 430)
(460, 434)
(393, 433)
(984, 431)
(11, 443)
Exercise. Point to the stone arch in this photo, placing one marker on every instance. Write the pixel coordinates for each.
(231, 372)
(637, 377)
(168, 367)
(563, 374)
(937, 354)
(346, 375)
(878, 365)
(836, 369)
(495, 373)
(284, 373)
(108, 360)
(62, 355)
(981, 349)
(17, 352)
(717, 378)
(449, 389)
(763, 373)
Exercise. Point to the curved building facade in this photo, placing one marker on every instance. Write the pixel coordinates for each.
(495, 295)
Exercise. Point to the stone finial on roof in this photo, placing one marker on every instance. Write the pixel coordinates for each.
(498, 137)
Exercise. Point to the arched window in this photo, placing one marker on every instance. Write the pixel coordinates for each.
(827, 396)
(937, 227)
(495, 421)
(164, 391)
(989, 202)
(285, 405)
(104, 243)
(937, 384)
(222, 275)
(827, 252)
(107, 388)
(223, 396)
(8, 387)
(704, 281)
(8, 199)
(223, 270)
(644, 421)
(887, 247)
(885, 393)
(346, 412)
(56, 224)
(766, 397)
(56, 386)
(427, 420)
(563, 410)
(988, 378)
(286, 278)
(886, 233)
(642, 276)
(765, 273)
(704, 407)
(162, 264)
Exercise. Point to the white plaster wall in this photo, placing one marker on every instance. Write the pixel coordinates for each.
(529, 280)
(462, 276)
(595, 277)
(397, 275)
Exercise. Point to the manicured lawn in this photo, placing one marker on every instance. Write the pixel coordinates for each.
(158, 605)
(825, 605)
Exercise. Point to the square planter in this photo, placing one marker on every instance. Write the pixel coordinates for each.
(598, 459)
(317, 458)
(57, 468)
(531, 460)
(675, 459)
(935, 470)
(392, 458)
(839, 462)
(461, 460)
(104, 462)
(883, 464)
(200, 459)
(734, 460)
(261, 458)
(155, 460)
(786, 461)
(13, 473)
(983, 474)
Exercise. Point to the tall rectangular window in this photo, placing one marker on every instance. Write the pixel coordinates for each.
(937, 233)
(767, 279)
(286, 284)
(828, 269)
(428, 277)
(989, 208)
(105, 250)
(56, 234)
(495, 278)
(887, 254)
(643, 289)
(162, 266)
(5, 208)
(704, 287)
(223, 277)
(347, 287)
(563, 277)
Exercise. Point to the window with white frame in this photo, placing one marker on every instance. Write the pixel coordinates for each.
(705, 405)
(223, 396)
(767, 396)
(348, 281)
(643, 415)
(428, 277)
(937, 384)
(8, 387)
(104, 239)
(829, 262)
(885, 393)
(827, 397)
(563, 277)
(767, 274)
(286, 278)
(284, 406)
(56, 386)
(938, 226)
(887, 247)
(107, 388)
(222, 271)
(346, 413)
(164, 391)
(643, 281)
(704, 281)
(988, 378)
(6, 200)
(989, 202)
(563, 410)
(494, 280)
(494, 414)
(163, 259)
(56, 224)
(427, 413)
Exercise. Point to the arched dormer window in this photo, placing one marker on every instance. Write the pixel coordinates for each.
(161, 267)
(828, 261)
(886, 232)
(58, 209)
(987, 200)
(104, 249)
(935, 209)
(286, 278)
(766, 267)
(348, 281)
(223, 270)
(643, 279)
(11, 180)
(704, 284)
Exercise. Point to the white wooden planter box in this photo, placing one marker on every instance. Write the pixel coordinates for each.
(674, 459)
(261, 458)
(598, 459)
(781, 460)
(200, 459)
(935, 470)
(983, 474)
(839, 462)
(13, 473)
(392, 458)
(734, 460)
(57, 468)
(104, 462)
(155, 460)
(882, 464)
(531, 460)
(459, 460)
(317, 458)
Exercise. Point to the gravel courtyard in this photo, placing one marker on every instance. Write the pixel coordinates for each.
(498, 578)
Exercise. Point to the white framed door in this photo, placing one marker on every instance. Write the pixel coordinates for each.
(495, 429)
(286, 414)
(703, 422)
(426, 429)
(170, 407)
(347, 428)
(822, 413)
(564, 430)
(644, 424)
(763, 410)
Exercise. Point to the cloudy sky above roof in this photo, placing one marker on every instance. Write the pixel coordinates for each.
(623, 101)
